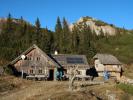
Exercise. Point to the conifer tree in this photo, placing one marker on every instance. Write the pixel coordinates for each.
(58, 34)
(86, 42)
(9, 22)
(19, 30)
(21, 20)
(37, 35)
(7, 30)
(66, 37)
(38, 25)
(75, 40)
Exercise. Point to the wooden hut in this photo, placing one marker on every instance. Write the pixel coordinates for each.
(109, 63)
(36, 64)
(67, 61)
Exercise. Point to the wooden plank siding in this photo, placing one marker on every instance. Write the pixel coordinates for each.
(109, 63)
(34, 60)
(36, 63)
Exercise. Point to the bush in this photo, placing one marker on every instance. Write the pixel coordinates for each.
(8, 70)
(100, 23)
(126, 87)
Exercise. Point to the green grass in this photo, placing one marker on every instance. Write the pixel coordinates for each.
(125, 87)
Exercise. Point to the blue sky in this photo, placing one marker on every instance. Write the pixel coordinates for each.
(117, 12)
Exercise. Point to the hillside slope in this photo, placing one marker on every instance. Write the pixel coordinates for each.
(120, 46)
(90, 36)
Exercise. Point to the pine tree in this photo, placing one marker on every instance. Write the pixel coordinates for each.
(86, 42)
(19, 29)
(7, 31)
(47, 41)
(75, 39)
(66, 38)
(58, 34)
(87, 37)
(9, 22)
(37, 35)
(38, 25)
(7, 27)
(21, 20)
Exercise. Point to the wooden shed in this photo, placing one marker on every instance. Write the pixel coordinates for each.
(109, 63)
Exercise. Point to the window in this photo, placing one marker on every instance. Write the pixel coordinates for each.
(38, 58)
(40, 71)
(31, 71)
(29, 58)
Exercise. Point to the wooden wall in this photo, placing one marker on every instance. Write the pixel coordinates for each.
(35, 61)
(114, 70)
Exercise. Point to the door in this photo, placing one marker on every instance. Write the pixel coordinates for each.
(51, 74)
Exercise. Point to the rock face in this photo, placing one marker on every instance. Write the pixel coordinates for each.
(95, 25)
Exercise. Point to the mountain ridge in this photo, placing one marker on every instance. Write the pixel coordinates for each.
(97, 26)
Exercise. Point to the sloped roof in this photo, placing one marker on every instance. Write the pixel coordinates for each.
(107, 59)
(28, 50)
(68, 59)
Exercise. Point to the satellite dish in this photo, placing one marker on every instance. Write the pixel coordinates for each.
(23, 57)
(56, 52)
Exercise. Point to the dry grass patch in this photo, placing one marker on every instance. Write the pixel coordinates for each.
(11, 83)
(55, 90)
(128, 71)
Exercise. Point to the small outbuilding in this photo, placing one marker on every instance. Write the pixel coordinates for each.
(107, 63)
(68, 61)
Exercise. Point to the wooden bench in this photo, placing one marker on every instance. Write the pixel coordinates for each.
(37, 77)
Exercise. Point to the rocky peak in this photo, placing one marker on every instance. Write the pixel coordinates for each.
(95, 25)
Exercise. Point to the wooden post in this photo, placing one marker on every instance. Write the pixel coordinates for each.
(55, 70)
(22, 57)
(22, 73)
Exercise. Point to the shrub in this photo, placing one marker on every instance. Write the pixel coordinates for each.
(8, 70)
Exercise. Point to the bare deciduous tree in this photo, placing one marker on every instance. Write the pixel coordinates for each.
(72, 74)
